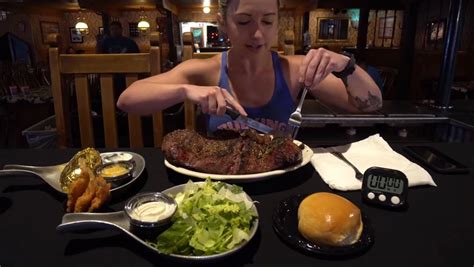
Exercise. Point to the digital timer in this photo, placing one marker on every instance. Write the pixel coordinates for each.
(385, 187)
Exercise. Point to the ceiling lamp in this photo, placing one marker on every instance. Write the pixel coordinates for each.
(206, 6)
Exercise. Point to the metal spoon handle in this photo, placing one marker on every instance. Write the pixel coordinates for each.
(96, 221)
(21, 167)
(9, 172)
(339, 155)
(84, 221)
(49, 178)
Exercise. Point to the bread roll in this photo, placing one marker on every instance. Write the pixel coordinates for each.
(329, 219)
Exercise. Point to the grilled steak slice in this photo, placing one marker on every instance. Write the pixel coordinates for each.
(191, 150)
(228, 153)
(279, 153)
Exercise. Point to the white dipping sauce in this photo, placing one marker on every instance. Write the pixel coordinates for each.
(116, 156)
(153, 211)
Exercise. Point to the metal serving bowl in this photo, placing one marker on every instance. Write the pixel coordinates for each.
(116, 173)
(148, 229)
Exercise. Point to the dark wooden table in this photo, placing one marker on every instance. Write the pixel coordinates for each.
(436, 230)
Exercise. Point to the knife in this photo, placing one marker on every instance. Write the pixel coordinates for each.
(235, 115)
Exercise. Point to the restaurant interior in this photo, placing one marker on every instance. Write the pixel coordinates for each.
(84, 183)
(421, 66)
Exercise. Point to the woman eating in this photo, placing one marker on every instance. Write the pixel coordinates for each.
(252, 79)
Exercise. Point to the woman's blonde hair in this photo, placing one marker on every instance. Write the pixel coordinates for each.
(223, 7)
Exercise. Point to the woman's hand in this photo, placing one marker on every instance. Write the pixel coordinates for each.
(212, 99)
(318, 63)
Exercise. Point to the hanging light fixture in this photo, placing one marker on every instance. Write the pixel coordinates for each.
(206, 6)
(143, 24)
(81, 26)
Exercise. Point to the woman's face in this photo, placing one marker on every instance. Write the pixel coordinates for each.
(252, 25)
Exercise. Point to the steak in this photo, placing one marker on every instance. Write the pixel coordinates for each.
(229, 152)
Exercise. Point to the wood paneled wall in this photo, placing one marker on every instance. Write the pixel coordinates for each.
(427, 58)
(32, 31)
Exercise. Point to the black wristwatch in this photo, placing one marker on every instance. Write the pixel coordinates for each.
(348, 70)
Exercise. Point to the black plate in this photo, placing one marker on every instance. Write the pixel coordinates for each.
(285, 224)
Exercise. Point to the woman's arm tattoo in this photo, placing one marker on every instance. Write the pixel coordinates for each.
(372, 102)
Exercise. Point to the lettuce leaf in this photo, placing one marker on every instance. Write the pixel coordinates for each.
(210, 219)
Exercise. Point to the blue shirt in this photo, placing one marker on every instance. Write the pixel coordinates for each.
(375, 74)
(275, 113)
(119, 45)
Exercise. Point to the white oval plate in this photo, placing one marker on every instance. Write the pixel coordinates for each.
(307, 154)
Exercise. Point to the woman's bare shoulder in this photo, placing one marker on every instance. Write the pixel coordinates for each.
(290, 66)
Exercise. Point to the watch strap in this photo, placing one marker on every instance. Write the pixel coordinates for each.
(348, 70)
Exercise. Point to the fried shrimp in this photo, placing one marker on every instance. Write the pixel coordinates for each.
(102, 194)
(88, 193)
(76, 189)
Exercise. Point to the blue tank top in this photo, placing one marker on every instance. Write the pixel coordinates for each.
(275, 113)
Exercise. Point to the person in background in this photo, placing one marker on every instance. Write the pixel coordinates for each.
(116, 43)
(306, 42)
(99, 40)
(251, 78)
(373, 72)
(70, 50)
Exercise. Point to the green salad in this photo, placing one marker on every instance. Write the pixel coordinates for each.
(213, 217)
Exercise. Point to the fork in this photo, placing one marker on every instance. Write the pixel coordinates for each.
(294, 122)
(339, 155)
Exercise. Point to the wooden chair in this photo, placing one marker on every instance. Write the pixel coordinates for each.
(105, 65)
(289, 46)
(188, 53)
(189, 107)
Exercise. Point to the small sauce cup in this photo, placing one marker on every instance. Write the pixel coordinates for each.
(116, 156)
(116, 173)
(150, 213)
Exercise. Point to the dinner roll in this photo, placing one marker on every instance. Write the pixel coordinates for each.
(329, 219)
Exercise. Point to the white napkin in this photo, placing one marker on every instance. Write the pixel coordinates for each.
(370, 152)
